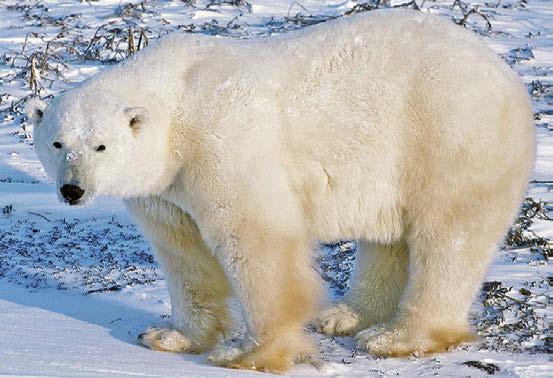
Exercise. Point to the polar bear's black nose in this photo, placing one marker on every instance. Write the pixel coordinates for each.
(72, 193)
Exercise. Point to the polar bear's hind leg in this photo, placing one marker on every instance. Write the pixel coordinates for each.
(378, 282)
(448, 257)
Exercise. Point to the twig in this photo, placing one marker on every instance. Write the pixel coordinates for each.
(39, 215)
(298, 4)
(33, 77)
(109, 288)
(469, 12)
(85, 54)
(142, 39)
(131, 48)
(411, 3)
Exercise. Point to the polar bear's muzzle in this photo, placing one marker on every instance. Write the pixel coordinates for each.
(74, 187)
(72, 193)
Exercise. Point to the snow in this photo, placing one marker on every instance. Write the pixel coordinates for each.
(77, 285)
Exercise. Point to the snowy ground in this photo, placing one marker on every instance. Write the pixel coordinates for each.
(78, 285)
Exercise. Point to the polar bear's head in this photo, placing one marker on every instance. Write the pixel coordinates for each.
(94, 143)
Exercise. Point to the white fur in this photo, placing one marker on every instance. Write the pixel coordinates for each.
(395, 128)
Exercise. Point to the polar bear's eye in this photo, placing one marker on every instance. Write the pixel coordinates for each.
(56, 144)
(134, 122)
(101, 148)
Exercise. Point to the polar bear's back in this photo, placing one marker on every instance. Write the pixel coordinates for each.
(382, 36)
(401, 73)
(385, 58)
(412, 99)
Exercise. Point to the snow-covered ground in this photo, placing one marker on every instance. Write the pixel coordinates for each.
(77, 285)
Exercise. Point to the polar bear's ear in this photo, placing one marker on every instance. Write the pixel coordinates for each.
(34, 108)
(137, 117)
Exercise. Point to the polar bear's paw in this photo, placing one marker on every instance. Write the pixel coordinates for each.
(339, 320)
(166, 340)
(259, 359)
(381, 341)
(399, 341)
(276, 355)
(227, 356)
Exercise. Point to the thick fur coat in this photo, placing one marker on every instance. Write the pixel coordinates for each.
(397, 129)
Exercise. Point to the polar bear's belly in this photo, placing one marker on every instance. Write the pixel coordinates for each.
(350, 203)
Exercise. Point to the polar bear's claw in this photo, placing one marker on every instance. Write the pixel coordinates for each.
(167, 340)
(339, 320)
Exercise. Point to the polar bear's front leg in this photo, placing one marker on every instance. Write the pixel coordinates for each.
(198, 287)
(271, 275)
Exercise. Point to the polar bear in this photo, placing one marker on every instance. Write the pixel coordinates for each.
(397, 129)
